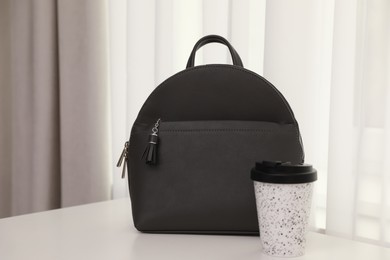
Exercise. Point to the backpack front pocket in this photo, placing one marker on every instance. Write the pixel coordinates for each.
(200, 181)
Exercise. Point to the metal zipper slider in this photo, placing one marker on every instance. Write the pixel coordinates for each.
(123, 159)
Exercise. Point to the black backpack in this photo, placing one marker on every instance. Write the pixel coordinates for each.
(195, 141)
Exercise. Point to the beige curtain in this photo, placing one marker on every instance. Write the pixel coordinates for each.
(54, 121)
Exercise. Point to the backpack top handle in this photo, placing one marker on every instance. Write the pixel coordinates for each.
(214, 38)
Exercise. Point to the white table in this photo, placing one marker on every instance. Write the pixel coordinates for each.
(105, 231)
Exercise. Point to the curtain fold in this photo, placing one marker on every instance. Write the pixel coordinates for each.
(54, 115)
(358, 204)
(5, 110)
(84, 101)
(297, 38)
(34, 172)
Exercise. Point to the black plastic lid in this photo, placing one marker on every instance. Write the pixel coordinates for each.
(283, 172)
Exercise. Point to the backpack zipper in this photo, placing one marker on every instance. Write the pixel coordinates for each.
(123, 159)
(150, 153)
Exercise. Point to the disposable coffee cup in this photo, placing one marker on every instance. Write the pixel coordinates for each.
(283, 198)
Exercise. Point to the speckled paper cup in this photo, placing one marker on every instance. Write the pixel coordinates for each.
(283, 198)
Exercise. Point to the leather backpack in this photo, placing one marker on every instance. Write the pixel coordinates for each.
(194, 142)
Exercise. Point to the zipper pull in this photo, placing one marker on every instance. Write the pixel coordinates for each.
(150, 153)
(123, 159)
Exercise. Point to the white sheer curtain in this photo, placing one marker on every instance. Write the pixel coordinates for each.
(329, 58)
(358, 203)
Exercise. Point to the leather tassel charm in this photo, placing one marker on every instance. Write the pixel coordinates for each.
(150, 153)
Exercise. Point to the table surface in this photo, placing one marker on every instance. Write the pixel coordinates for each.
(105, 231)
